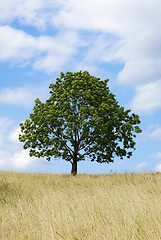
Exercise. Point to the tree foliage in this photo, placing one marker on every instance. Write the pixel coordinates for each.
(80, 119)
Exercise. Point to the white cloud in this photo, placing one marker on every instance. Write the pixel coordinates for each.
(5, 124)
(24, 96)
(158, 168)
(134, 26)
(49, 54)
(140, 71)
(134, 23)
(19, 96)
(21, 160)
(156, 134)
(147, 98)
(60, 52)
(16, 46)
(153, 132)
(14, 135)
(12, 155)
(35, 13)
(4, 159)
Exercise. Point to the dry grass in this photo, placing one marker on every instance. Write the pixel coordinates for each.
(50, 206)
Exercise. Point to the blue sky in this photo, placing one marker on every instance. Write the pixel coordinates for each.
(119, 40)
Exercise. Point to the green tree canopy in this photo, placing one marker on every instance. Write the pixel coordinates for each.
(80, 119)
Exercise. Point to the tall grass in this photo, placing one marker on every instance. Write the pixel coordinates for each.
(52, 206)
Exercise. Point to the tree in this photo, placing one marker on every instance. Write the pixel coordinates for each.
(80, 119)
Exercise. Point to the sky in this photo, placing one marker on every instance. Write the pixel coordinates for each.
(119, 40)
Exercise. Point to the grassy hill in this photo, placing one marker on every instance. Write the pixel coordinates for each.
(51, 206)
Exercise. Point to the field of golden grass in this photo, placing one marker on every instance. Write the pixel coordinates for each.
(52, 206)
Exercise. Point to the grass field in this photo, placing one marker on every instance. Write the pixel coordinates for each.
(51, 206)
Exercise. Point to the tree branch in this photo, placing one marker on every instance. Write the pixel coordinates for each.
(70, 150)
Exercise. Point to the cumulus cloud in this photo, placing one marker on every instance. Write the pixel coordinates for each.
(22, 160)
(158, 168)
(46, 53)
(5, 125)
(5, 122)
(19, 160)
(4, 159)
(133, 27)
(15, 45)
(24, 96)
(147, 98)
(35, 13)
(140, 71)
(60, 51)
(136, 25)
(153, 132)
(156, 133)
(19, 96)
(14, 135)
(11, 154)
(14, 157)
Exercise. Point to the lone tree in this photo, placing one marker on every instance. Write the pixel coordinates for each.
(80, 119)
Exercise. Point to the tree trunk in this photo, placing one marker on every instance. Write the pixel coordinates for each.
(74, 163)
(74, 167)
